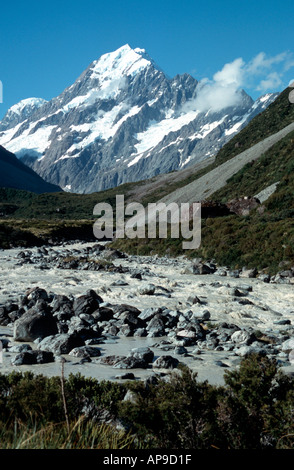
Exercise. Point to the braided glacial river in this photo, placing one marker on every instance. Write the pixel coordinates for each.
(265, 307)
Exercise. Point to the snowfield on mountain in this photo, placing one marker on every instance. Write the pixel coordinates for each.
(122, 120)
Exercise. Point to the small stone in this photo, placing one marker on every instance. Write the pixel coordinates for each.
(193, 299)
(250, 273)
(149, 289)
(264, 277)
(180, 350)
(282, 322)
(291, 356)
(131, 396)
(165, 362)
(127, 376)
(84, 351)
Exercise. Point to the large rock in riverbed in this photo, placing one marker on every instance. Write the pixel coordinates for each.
(87, 303)
(60, 343)
(165, 362)
(33, 324)
(33, 357)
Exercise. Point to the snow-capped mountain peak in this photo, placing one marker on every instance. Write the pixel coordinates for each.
(26, 104)
(21, 111)
(122, 120)
(123, 61)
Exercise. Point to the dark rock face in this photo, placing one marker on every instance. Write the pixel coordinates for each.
(85, 351)
(98, 132)
(15, 174)
(214, 209)
(243, 205)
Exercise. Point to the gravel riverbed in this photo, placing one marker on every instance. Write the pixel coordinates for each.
(126, 316)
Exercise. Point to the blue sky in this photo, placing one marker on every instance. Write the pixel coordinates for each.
(44, 46)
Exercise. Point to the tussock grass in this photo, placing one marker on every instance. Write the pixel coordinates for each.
(79, 434)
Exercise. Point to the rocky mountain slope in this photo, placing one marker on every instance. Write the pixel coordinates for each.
(261, 152)
(205, 186)
(123, 120)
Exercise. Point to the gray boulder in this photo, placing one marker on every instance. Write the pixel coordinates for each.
(250, 273)
(291, 356)
(34, 324)
(4, 318)
(87, 303)
(288, 344)
(165, 362)
(148, 289)
(35, 294)
(145, 354)
(246, 350)
(131, 362)
(193, 299)
(85, 351)
(243, 337)
(18, 348)
(155, 326)
(110, 360)
(148, 313)
(32, 357)
(60, 343)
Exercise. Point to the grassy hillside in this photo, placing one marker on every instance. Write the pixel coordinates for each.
(55, 206)
(233, 241)
(277, 116)
(28, 219)
(275, 165)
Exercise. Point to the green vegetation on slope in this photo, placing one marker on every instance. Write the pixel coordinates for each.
(56, 206)
(260, 240)
(275, 165)
(233, 241)
(278, 115)
(28, 219)
(253, 410)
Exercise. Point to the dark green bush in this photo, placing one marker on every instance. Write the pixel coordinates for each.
(253, 410)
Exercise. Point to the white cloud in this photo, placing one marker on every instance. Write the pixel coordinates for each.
(262, 73)
(271, 69)
(231, 74)
(273, 80)
(260, 63)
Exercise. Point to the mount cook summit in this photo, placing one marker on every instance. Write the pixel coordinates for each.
(122, 120)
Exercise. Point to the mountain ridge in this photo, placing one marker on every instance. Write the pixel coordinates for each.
(14, 174)
(123, 120)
